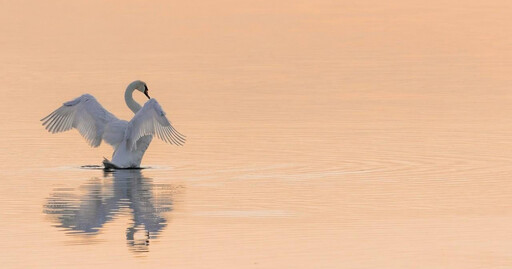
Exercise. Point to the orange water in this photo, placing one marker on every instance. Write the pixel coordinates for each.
(321, 134)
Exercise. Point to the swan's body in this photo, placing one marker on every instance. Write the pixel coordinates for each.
(130, 139)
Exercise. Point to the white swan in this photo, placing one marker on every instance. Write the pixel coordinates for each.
(130, 139)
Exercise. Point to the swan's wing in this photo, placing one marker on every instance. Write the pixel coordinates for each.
(151, 120)
(83, 113)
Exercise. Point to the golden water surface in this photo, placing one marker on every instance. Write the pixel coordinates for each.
(321, 134)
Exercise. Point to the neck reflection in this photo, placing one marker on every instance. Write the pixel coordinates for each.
(87, 209)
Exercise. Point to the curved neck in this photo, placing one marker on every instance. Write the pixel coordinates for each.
(128, 98)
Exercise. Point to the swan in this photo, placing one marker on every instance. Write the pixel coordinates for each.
(130, 139)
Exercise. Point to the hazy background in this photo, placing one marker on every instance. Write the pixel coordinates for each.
(321, 134)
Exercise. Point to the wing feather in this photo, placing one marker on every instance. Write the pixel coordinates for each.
(151, 120)
(84, 114)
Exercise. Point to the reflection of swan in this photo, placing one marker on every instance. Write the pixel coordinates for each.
(104, 199)
(129, 139)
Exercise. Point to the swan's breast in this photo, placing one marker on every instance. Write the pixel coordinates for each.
(114, 132)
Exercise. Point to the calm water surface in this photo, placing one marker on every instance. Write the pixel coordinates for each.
(321, 134)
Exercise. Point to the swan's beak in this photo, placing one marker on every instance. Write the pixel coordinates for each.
(146, 91)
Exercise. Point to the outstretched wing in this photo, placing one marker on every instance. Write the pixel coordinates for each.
(83, 113)
(151, 120)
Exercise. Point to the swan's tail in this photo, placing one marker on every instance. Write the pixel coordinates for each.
(108, 164)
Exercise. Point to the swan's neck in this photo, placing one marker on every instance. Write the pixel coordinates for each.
(128, 98)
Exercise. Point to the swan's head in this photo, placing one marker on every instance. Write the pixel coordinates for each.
(141, 87)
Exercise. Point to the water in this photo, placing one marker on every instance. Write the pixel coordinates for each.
(321, 134)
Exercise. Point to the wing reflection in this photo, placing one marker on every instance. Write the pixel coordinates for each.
(85, 210)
